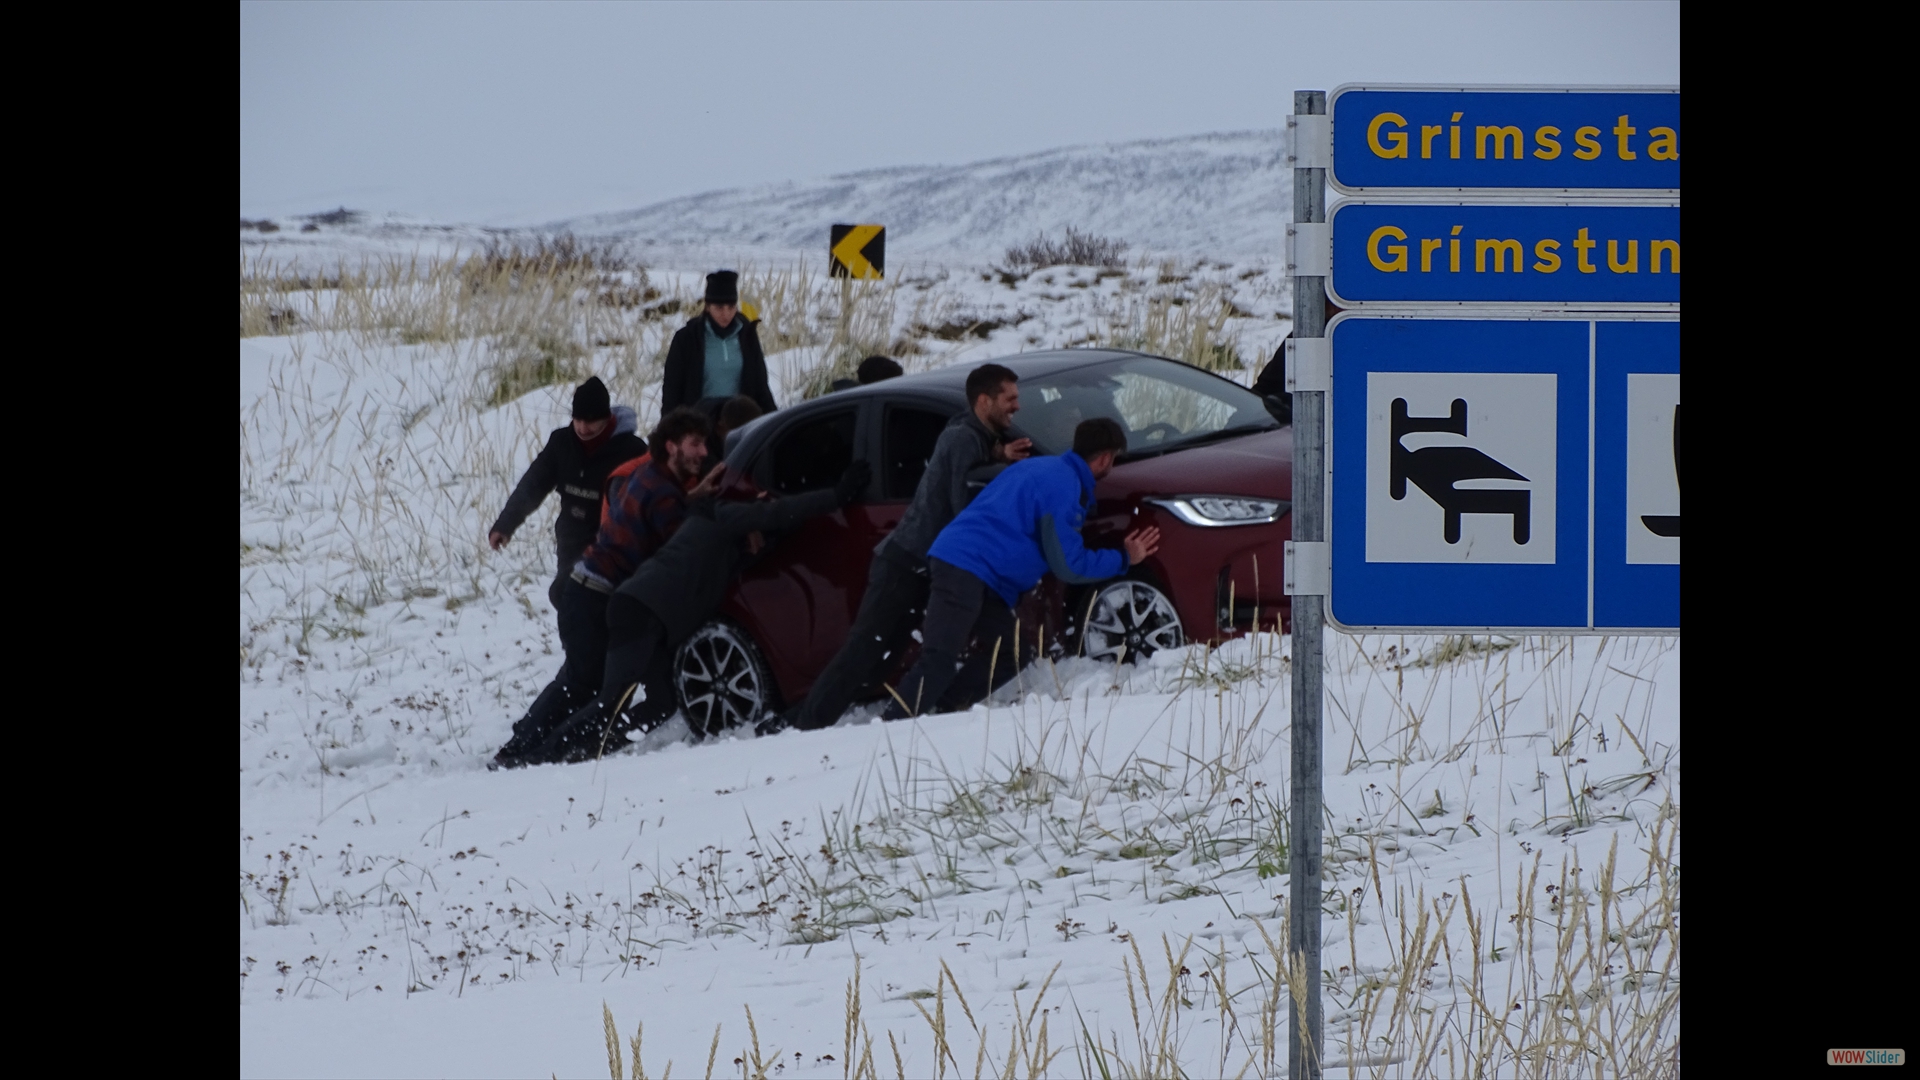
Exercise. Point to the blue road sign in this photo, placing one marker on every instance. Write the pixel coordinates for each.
(1538, 255)
(1516, 474)
(1403, 138)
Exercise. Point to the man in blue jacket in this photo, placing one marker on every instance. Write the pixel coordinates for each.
(1024, 524)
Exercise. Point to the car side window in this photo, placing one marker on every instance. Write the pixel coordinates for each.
(814, 454)
(911, 434)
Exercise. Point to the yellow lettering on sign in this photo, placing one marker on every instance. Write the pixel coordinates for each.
(1632, 265)
(847, 251)
(1549, 146)
(1428, 133)
(1453, 252)
(1665, 144)
(1500, 249)
(1583, 253)
(1671, 247)
(1589, 146)
(1454, 137)
(1500, 135)
(1396, 140)
(1544, 251)
(1621, 131)
(1427, 248)
(1398, 261)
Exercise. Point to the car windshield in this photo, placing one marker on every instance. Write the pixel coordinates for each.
(1162, 404)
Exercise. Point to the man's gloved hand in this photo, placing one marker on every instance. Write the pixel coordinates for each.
(854, 481)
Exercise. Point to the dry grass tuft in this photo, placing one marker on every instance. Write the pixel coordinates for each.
(1077, 249)
(1189, 328)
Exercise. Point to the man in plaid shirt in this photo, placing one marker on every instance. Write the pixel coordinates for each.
(642, 510)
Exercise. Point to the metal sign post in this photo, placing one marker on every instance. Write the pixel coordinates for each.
(1304, 1044)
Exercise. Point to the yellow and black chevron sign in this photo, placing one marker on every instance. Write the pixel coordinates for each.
(859, 251)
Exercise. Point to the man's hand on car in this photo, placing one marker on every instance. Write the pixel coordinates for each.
(1141, 543)
(497, 539)
(854, 481)
(1017, 450)
(709, 483)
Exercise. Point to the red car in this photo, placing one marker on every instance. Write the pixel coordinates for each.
(1205, 462)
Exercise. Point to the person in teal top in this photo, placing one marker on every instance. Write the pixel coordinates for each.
(716, 356)
(722, 373)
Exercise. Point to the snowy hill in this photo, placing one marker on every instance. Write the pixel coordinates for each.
(1223, 195)
(1219, 194)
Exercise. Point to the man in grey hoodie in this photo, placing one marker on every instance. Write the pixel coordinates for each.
(897, 580)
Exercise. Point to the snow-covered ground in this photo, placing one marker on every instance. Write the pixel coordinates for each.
(1097, 857)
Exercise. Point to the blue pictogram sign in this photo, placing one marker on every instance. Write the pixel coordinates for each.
(1504, 474)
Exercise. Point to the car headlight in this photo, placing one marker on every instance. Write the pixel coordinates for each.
(1212, 511)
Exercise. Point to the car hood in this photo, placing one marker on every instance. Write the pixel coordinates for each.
(1259, 465)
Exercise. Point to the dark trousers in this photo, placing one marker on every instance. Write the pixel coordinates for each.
(896, 595)
(564, 556)
(959, 606)
(639, 652)
(583, 634)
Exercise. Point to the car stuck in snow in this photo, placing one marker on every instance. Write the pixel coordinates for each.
(1206, 463)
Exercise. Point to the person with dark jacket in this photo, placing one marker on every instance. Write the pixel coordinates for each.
(1024, 524)
(717, 355)
(575, 462)
(669, 597)
(644, 507)
(1271, 384)
(873, 369)
(897, 577)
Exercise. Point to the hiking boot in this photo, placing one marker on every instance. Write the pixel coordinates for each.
(774, 723)
(591, 732)
(555, 705)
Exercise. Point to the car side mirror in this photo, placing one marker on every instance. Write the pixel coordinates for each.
(1280, 408)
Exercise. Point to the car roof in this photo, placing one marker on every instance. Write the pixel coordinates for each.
(944, 382)
(1025, 365)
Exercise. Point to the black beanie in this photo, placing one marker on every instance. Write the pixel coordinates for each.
(590, 401)
(723, 287)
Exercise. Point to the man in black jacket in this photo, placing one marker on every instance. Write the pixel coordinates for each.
(575, 462)
(897, 579)
(666, 600)
(717, 355)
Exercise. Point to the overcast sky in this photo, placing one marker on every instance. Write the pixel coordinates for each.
(506, 113)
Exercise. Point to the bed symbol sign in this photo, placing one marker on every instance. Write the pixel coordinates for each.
(1436, 469)
(1464, 465)
(1504, 472)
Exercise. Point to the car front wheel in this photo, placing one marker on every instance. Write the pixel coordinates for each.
(722, 679)
(1127, 620)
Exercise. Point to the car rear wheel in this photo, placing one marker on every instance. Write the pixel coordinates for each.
(1127, 620)
(722, 679)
